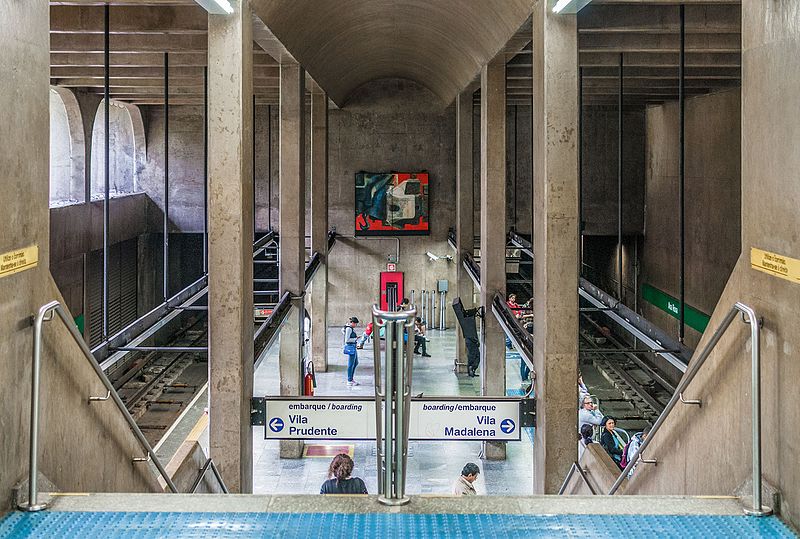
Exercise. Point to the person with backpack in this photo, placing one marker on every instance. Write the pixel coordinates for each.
(611, 440)
(349, 349)
(632, 448)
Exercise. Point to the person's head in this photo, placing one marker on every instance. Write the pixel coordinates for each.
(587, 431)
(405, 303)
(418, 320)
(645, 432)
(470, 472)
(341, 467)
(587, 403)
(512, 297)
(609, 423)
(353, 321)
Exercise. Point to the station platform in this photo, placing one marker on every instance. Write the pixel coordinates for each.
(288, 517)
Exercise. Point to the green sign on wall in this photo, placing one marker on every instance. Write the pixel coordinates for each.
(694, 319)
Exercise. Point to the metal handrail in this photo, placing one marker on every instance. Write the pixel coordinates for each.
(45, 314)
(755, 337)
(575, 466)
(203, 471)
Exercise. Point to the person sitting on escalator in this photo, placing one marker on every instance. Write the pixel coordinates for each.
(611, 440)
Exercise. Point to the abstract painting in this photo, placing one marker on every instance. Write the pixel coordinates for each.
(391, 204)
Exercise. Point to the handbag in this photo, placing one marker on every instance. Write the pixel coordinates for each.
(349, 349)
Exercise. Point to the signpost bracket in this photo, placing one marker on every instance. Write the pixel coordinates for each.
(527, 413)
(258, 412)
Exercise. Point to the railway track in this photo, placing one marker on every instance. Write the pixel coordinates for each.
(642, 390)
(156, 385)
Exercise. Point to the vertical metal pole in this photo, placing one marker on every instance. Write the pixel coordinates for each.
(434, 320)
(681, 174)
(756, 391)
(515, 167)
(205, 169)
(619, 179)
(399, 408)
(388, 434)
(254, 168)
(107, 169)
(33, 494)
(166, 176)
(269, 166)
(580, 170)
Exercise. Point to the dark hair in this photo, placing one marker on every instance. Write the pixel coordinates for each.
(354, 319)
(405, 300)
(341, 467)
(418, 319)
(587, 431)
(470, 469)
(606, 419)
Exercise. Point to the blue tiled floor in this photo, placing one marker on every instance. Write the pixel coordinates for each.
(406, 526)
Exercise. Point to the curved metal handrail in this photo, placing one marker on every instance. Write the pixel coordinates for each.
(45, 314)
(694, 367)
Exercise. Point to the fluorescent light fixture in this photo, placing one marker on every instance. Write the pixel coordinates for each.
(216, 7)
(569, 6)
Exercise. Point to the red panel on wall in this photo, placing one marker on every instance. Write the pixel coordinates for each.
(391, 293)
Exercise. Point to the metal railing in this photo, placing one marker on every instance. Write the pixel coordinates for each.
(45, 314)
(209, 465)
(395, 392)
(576, 467)
(749, 317)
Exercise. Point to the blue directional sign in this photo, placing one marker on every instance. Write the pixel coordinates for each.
(276, 425)
(507, 426)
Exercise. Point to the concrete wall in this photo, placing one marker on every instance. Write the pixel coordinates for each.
(708, 450)
(600, 170)
(713, 199)
(388, 125)
(83, 448)
(186, 166)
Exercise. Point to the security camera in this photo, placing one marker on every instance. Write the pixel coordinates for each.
(432, 256)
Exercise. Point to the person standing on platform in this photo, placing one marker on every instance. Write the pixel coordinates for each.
(349, 349)
(464, 484)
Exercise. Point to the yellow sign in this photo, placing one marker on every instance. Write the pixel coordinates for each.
(19, 260)
(775, 264)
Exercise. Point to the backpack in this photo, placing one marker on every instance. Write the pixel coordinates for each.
(624, 460)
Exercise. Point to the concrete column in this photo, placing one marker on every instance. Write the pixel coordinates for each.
(493, 232)
(319, 228)
(555, 241)
(292, 233)
(230, 248)
(465, 209)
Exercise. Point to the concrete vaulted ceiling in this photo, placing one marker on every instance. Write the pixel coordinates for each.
(440, 44)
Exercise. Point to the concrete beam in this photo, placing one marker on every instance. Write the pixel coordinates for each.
(129, 43)
(649, 42)
(150, 72)
(292, 230)
(319, 228)
(706, 19)
(143, 59)
(126, 19)
(493, 232)
(555, 241)
(230, 255)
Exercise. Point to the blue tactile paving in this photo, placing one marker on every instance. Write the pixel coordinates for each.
(66, 525)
